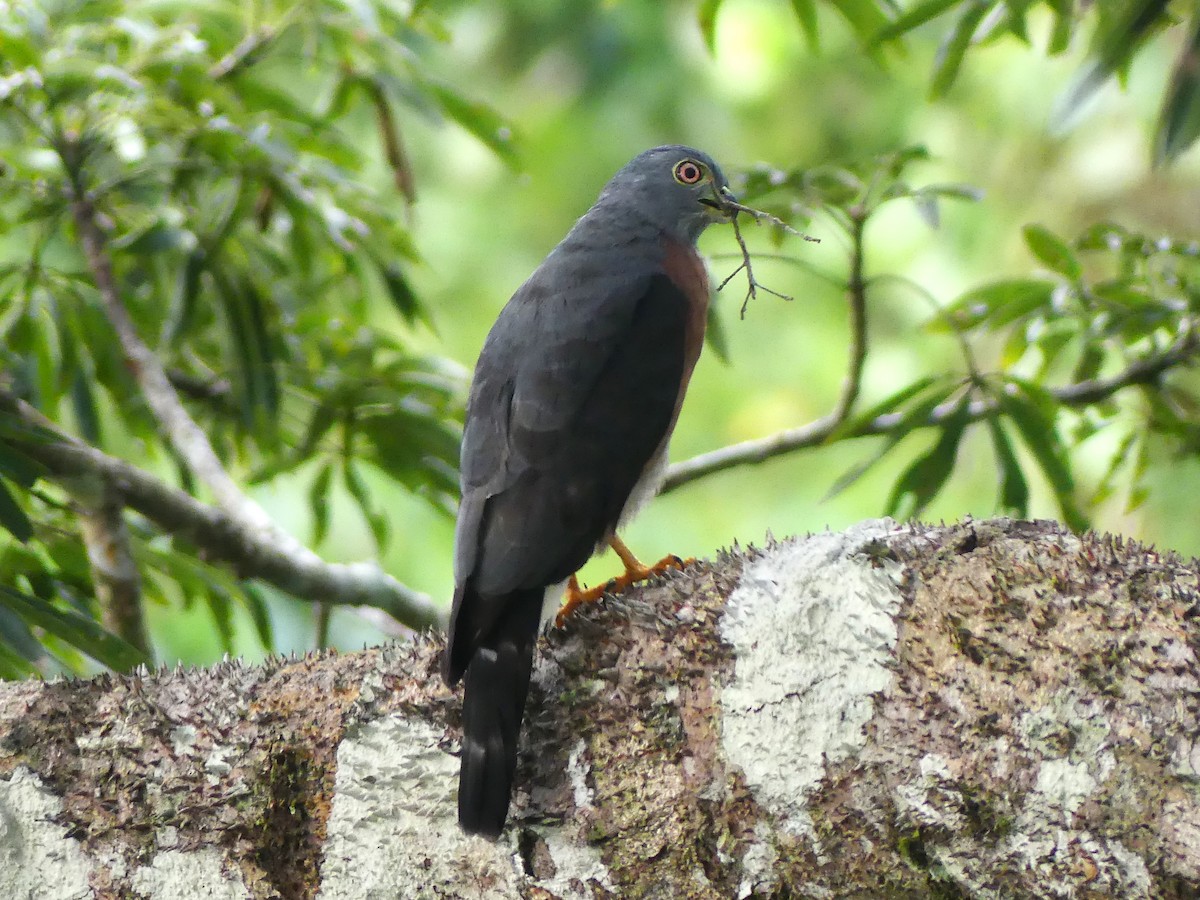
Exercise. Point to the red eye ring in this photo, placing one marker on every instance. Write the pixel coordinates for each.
(688, 171)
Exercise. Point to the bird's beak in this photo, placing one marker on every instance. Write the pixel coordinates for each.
(719, 207)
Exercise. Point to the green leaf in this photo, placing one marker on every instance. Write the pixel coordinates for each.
(403, 298)
(927, 474)
(15, 634)
(1179, 122)
(77, 630)
(913, 17)
(257, 383)
(891, 403)
(1106, 485)
(954, 46)
(1118, 36)
(995, 305)
(13, 666)
(866, 17)
(20, 468)
(806, 15)
(83, 402)
(362, 495)
(318, 502)
(1091, 358)
(260, 614)
(708, 22)
(1064, 26)
(715, 336)
(12, 517)
(915, 417)
(220, 605)
(479, 119)
(1031, 410)
(1051, 251)
(183, 303)
(1014, 489)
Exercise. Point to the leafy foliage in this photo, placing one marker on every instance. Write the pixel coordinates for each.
(1112, 309)
(1118, 31)
(248, 246)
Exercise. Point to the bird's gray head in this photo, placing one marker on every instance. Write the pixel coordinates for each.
(674, 187)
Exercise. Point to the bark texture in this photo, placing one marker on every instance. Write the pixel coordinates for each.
(991, 709)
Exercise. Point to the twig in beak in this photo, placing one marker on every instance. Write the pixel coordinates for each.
(752, 284)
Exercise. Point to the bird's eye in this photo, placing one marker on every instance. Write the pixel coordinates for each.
(688, 171)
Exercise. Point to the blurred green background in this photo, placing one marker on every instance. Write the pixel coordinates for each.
(587, 86)
(584, 86)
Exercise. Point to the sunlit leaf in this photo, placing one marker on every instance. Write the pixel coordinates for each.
(914, 17)
(996, 304)
(806, 15)
(954, 46)
(1052, 251)
(707, 14)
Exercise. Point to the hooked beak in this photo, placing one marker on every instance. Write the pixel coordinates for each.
(720, 210)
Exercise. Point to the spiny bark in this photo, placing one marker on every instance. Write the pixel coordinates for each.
(990, 709)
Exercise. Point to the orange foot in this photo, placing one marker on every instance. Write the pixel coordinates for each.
(634, 572)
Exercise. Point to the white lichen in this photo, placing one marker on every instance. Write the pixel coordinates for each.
(393, 832)
(37, 859)
(576, 865)
(812, 628)
(196, 875)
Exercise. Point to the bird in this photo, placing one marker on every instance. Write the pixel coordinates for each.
(572, 404)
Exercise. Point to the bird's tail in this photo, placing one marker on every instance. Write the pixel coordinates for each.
(497, 682)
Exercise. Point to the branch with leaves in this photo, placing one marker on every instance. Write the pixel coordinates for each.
(1113, 311)
(202, 265)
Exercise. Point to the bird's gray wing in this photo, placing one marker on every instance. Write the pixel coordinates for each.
(575, 391)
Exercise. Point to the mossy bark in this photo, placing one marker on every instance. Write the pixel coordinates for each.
(996, 709)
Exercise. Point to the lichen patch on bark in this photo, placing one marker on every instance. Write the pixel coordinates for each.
(811, 626)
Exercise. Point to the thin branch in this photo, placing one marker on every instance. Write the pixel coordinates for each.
(225, 538)
(115, 575)
(725, 202)
(1084, 393)
(856, 298)
(244, 54)
(239, 515)
(184, 435)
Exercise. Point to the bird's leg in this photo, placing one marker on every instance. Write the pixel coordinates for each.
(574, 597)
(634, 572)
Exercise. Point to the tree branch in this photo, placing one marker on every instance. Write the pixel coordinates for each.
(115, 575)
(856, 296)
(243, 532)
(225, 538)
(1084, 393)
